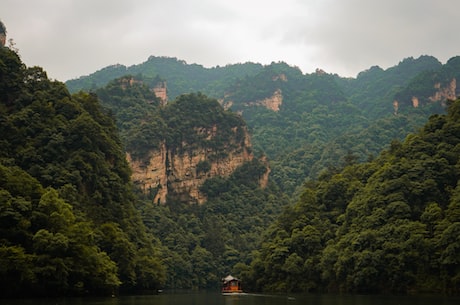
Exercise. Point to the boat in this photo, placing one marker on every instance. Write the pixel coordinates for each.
(231, 285)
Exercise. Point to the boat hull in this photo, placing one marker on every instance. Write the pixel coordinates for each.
(227, 293)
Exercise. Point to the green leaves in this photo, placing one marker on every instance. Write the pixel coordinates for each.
(63, 174)
(389, 225)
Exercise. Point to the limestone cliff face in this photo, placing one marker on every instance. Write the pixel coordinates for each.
(273, 102)
(441, 94)
(444, 93)
(161, 92)
(181, 174)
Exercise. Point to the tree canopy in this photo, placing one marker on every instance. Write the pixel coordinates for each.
(338, 213)
(389, 225)
(69, 224)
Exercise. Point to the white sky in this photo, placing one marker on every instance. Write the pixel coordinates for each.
(71, 38)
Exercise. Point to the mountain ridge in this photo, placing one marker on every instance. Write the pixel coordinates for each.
(305, 102)
(101, 77)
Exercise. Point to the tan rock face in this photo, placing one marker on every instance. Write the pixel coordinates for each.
(443, 93)
(449, 92)
(395, 107)
(273, 102)
(150, 177)
(160, 91)
(281, 77)
(263, 181)
(170, 172)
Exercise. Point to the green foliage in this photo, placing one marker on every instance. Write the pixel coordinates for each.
(321, 146)
(206, 241)
(322, 117)
(189, 122)
(196, 121)
(360, 223)
(389, 225)
(203, 167)
(136, 109)
(180, 77)
(45, 249)
(63, 180)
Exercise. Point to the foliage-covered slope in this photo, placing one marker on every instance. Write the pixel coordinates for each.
(203, 242)
(323, 124)
(389, 225)
(428, 85)
(180, 124)
(68, 222)
(181, 77)
(323, 117)
(374, 90)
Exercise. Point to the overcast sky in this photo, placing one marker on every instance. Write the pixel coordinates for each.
(71, 38)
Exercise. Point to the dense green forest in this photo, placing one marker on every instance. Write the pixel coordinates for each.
(202, 242)
(71, 220)
(353, 203)
(206, 242)
(388, 225)
(68, 222)
(180, 76)
(144, 124)
(323, 117)
(323, 134)
(364, 221)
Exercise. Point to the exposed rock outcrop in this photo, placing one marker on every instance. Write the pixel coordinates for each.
(448, 92)
(182, 173)
(160, 91)
(273, 102)
(441, 94)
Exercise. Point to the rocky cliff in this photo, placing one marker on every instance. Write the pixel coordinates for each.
(169, 172)
(272, 102)
(440, 93)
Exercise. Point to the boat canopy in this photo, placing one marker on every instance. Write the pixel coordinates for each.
(229, 278)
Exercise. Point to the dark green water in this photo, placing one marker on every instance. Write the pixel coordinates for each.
(247, 299)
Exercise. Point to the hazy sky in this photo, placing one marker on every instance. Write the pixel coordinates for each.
(70, 38)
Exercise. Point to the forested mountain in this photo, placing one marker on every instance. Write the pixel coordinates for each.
(180, 76)
(307, 123)
(375, 89)
(323, 136)
(320, 119)
(310, 126)
(68, 222)
(389, 225)
(233, 146)
(187, 146)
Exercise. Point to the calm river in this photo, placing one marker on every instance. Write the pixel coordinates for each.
(246, 299)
